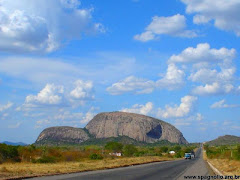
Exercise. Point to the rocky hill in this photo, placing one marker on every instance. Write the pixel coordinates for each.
(115, 124)
(224, 140)
(135, 126)
(62, 135)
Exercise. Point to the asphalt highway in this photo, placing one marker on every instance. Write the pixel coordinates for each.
(161, 170)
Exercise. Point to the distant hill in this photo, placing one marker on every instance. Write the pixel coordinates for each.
(119, 126)
(14, 144)
(224, 140)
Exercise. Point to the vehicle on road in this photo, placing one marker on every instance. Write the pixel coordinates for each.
(188, 156)
(192, 154)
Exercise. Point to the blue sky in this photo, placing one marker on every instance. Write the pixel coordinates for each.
(64, 61)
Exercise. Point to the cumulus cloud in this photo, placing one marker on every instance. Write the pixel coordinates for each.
(59, 96)
(140, 109)
(224, 13)
(132, 84)
(184, 109)
(172, 25)
(212, 67)
(213, 89)
(41, 25)
(174, 78)
(222, 104)
(49, 95)
(83, 90)
(203, 53)
(209, 75)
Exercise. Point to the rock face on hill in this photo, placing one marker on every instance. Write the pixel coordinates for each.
(62, 135)
(114, 124)
(135, 126)
(225, 140)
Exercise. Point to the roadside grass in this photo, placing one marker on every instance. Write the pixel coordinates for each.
(226, 166)
(24, 169)
(222, 162)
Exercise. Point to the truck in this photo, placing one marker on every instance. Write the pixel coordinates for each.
(188, 156)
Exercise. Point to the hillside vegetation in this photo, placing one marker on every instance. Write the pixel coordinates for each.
(226, 158)
(225, 140)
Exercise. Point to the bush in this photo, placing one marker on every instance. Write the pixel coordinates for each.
(114, 146)
(129, 150)
(95, 156)
(177, 148)
(164, 149)
(8, 152)
(178, 155)
(139, 153)
(45, 159)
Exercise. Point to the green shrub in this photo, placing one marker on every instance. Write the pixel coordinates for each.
(114, 146)
(8, 152)
(95, 156)
(177, 148)
(129, 150)
(164, 149)
(45, 159)
(178, 155)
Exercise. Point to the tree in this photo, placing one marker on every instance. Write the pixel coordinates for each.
(129, 150)
(164, 149)
(177, 148)
(114, 146)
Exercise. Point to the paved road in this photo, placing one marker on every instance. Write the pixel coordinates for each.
(161, 170)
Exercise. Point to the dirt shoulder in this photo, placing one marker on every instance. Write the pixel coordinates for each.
(19, 170)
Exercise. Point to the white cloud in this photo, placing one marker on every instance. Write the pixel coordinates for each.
(42, 25)
(172, 25)
(6, 106)
(213, 89)
(174, 78)
(212, 67)
(209, 75)
(140, 109)
(184, 109)
(222, 104)
(224, 13)
(132, 84)
(49, 95)
(203, 53)
(83, 90)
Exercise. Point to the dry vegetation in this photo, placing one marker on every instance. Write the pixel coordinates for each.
(226, 166)
(221, 158)
(24, 169)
